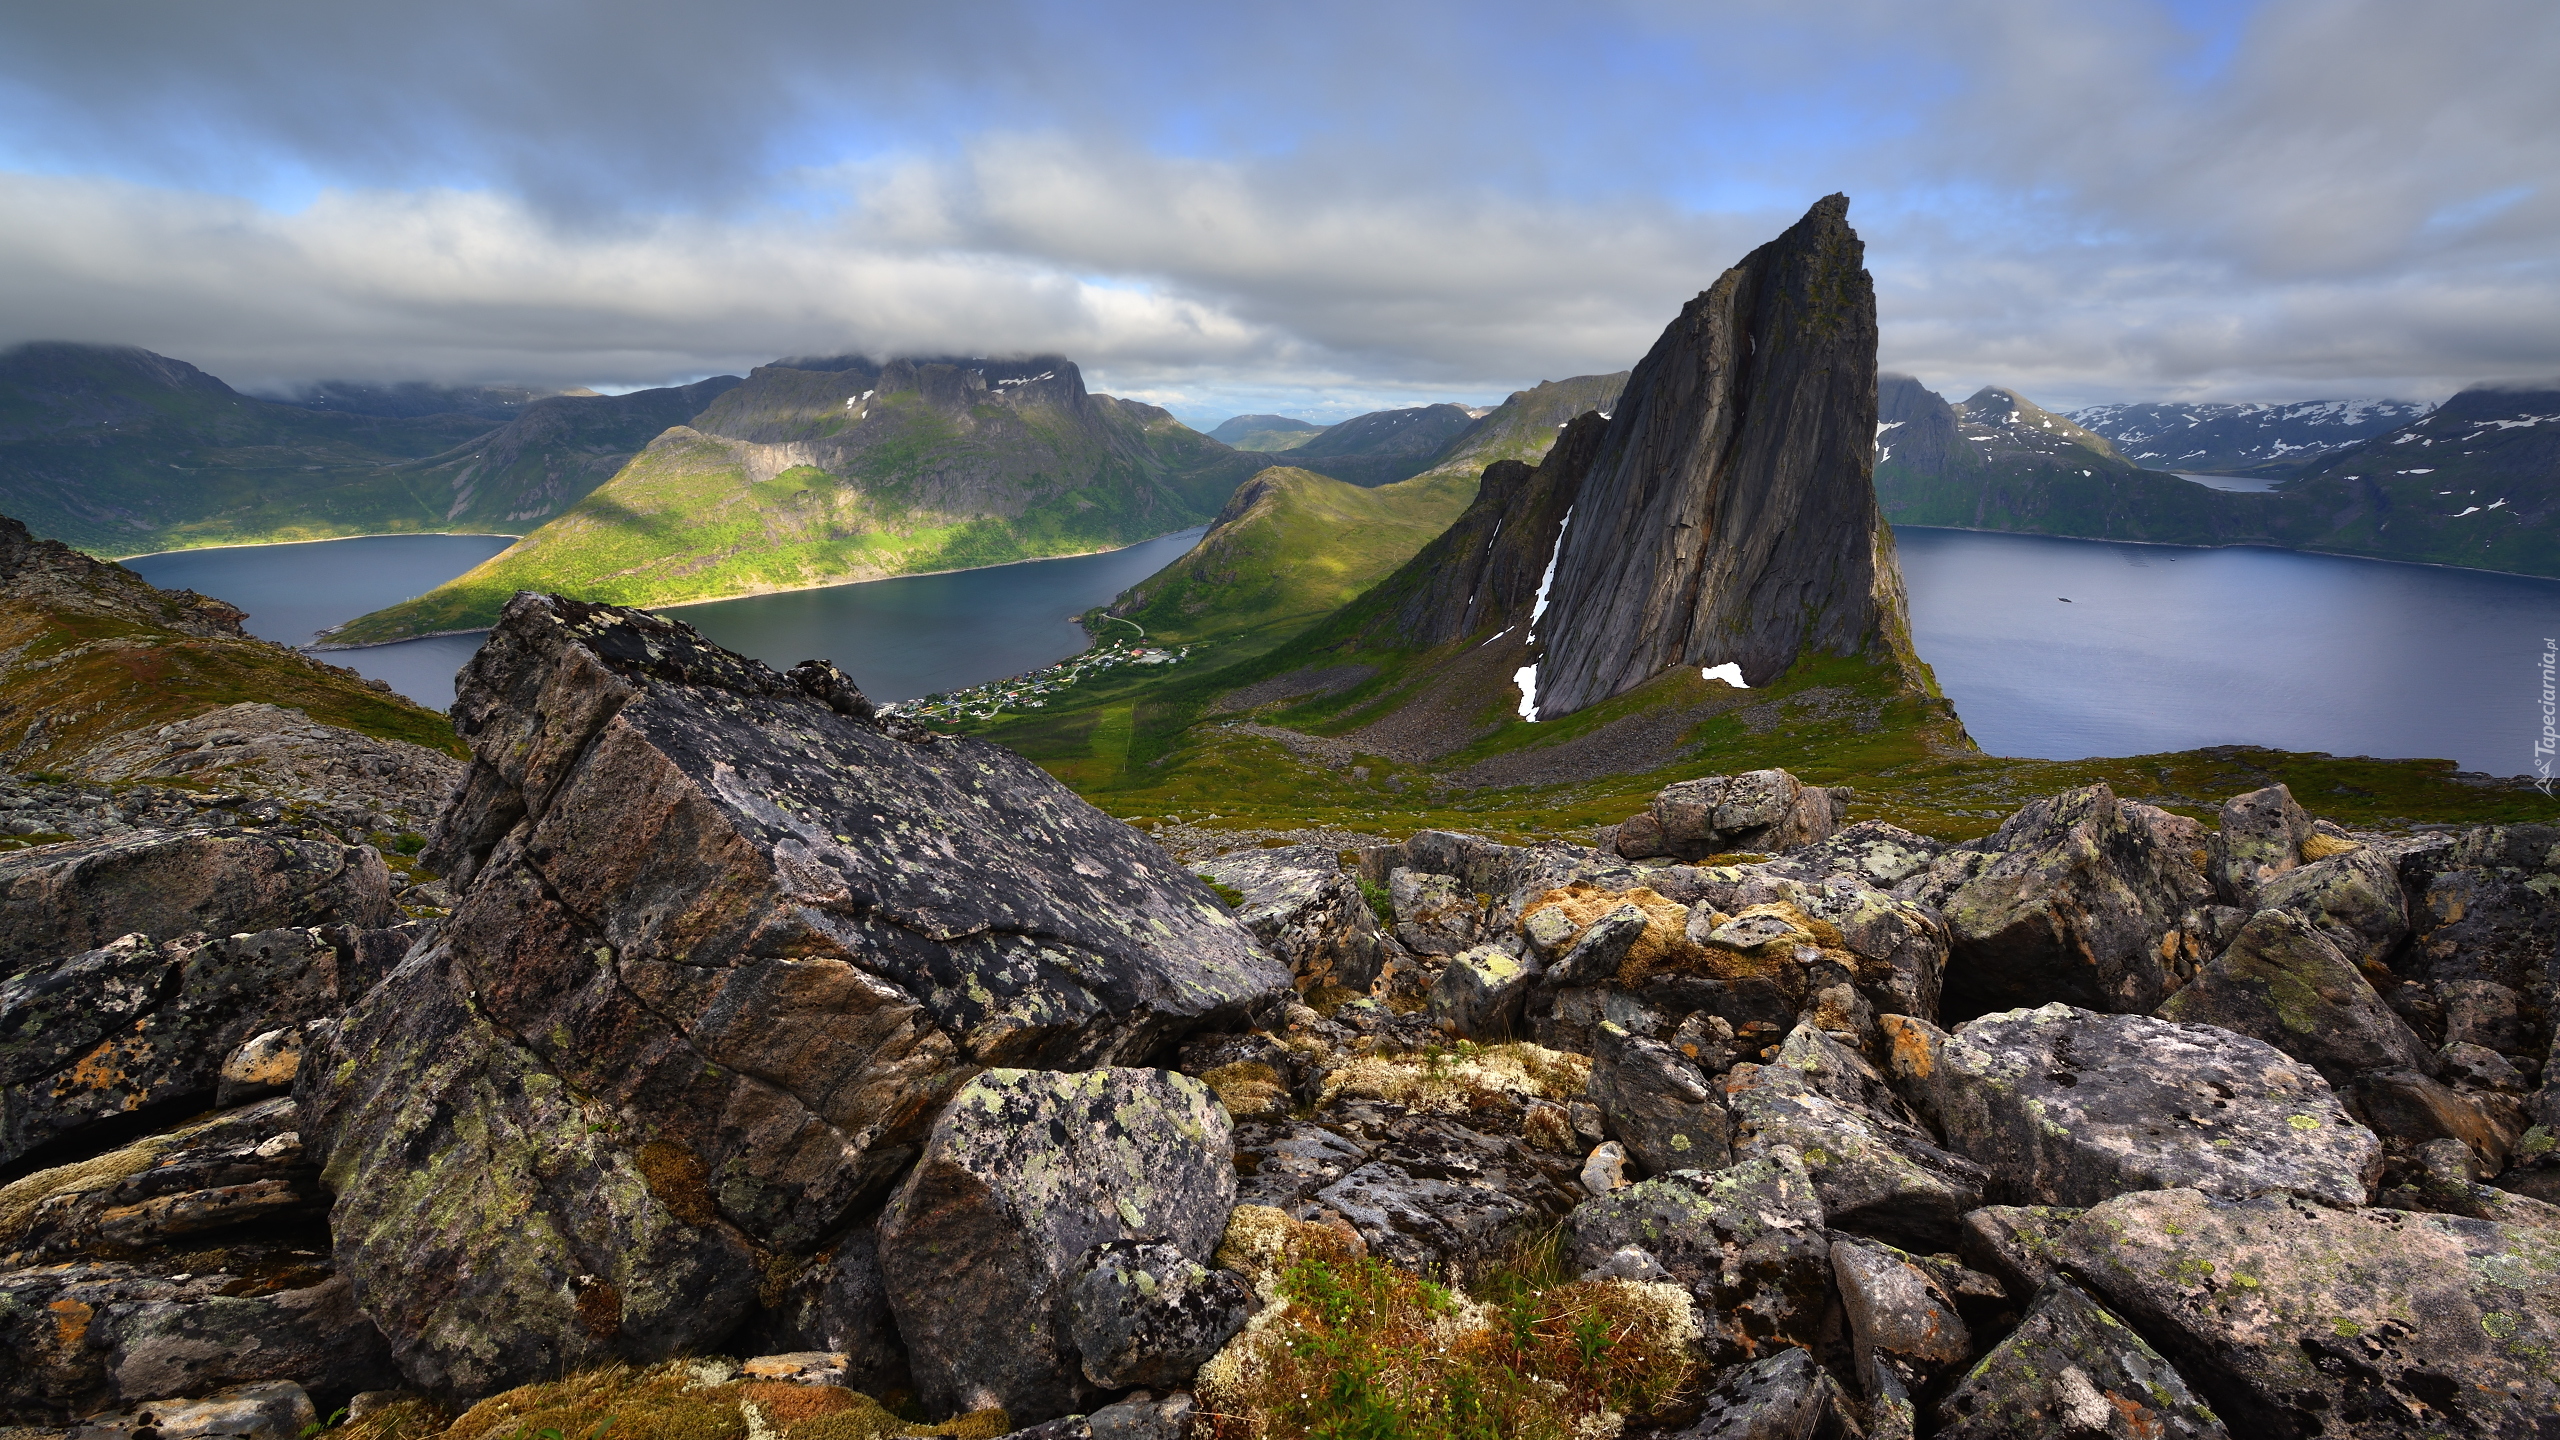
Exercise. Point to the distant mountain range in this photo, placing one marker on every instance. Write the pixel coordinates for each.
(2224, 439)
(2486, 495)
(1265, 432)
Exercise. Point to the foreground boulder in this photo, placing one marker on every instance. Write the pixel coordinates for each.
(2066, 1107)
(2079, 897)
(722, 947)
(2286, 983)
(1308, 913)
(58, 900)
(1027, 1180)
(1877, 1171)
(2302, 1320)
(1746, 1241)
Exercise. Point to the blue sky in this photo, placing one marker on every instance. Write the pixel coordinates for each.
(1316, 209)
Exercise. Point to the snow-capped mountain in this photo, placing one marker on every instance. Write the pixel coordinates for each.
(2232, 439)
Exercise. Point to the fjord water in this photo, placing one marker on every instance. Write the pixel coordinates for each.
(2066, 648)
(898, 638)
(2157, 648)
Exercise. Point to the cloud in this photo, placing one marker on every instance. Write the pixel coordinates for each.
(1323, 208)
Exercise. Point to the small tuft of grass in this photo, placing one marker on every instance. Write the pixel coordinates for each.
(1355, 1349)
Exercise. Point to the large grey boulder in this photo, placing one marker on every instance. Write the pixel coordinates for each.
(2067, 1107)
(2284, 982)
(58, 900)
(2073, 1369)
(1480, 992)
(1308, 913)
(1424, 1191)
(1877, 1171)
(1759, 810)
(135, 1027)
(2079, 897)
(2300, 1320)
(1747, 1242)
(723, 945)
(2352, 898)
(1024, 1175)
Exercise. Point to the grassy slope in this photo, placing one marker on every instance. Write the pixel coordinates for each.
(1523, 427)
(87, 676)
(686, 520)
(1291, 547)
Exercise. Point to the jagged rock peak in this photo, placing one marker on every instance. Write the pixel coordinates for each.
(1730, 513)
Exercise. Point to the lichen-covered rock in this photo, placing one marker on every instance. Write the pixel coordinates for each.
(491, 1220)
(1024, 1174)
(2444, 1176)
(237, 1167)
(2018, 1245)
(1760, 810)
(2301, 1320)
(1902, 1322)
(1479, 994)
(1877, 1171)
(1301, 906)
(1747, 1241)
(1660, 1105)
(1435, 914)
(2409, 1108)
(1598, 953)
(76, 1339)
(2284, 982)
(58, 900)
(1882, 855)
(2072, 1369)
(2486, 912)
(1146, 1314)
(257, 746)
(2353, 899)
(1782, 1396)
(1431, 1193)
(131, 1026)
(2067, 1107)
(2259, 838)
(2079, 897)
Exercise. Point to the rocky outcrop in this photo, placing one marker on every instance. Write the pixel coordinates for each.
(2080, 897)
(132, 1029)
(1878, 1172)
(723, 947)
(996, 1246)
(1760, 810)
(1729, 515)
(288, 755)
(1746, 1241)
(59, 900)
(2067, 1107)
(1308, 913)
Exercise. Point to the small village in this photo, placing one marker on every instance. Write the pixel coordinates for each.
(1029, 691)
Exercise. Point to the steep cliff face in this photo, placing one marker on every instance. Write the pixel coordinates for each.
(1730, 514)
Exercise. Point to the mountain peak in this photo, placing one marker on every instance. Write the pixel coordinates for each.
(1729, 514)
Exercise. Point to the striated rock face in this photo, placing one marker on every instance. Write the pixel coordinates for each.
(1730, 514)
(723, 947)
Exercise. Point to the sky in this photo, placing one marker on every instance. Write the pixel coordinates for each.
(1315, 209)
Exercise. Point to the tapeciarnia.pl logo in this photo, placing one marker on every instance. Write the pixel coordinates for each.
(2544, 747)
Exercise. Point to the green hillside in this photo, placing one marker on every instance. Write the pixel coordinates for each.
(1289, 547)
(803, 477)
(1524, 425)
(123, 452)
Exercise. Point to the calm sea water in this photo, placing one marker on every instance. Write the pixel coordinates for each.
(2050, 648)
(898, 639)
(2066, 648)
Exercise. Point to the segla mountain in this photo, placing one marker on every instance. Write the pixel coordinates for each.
(818, 472)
